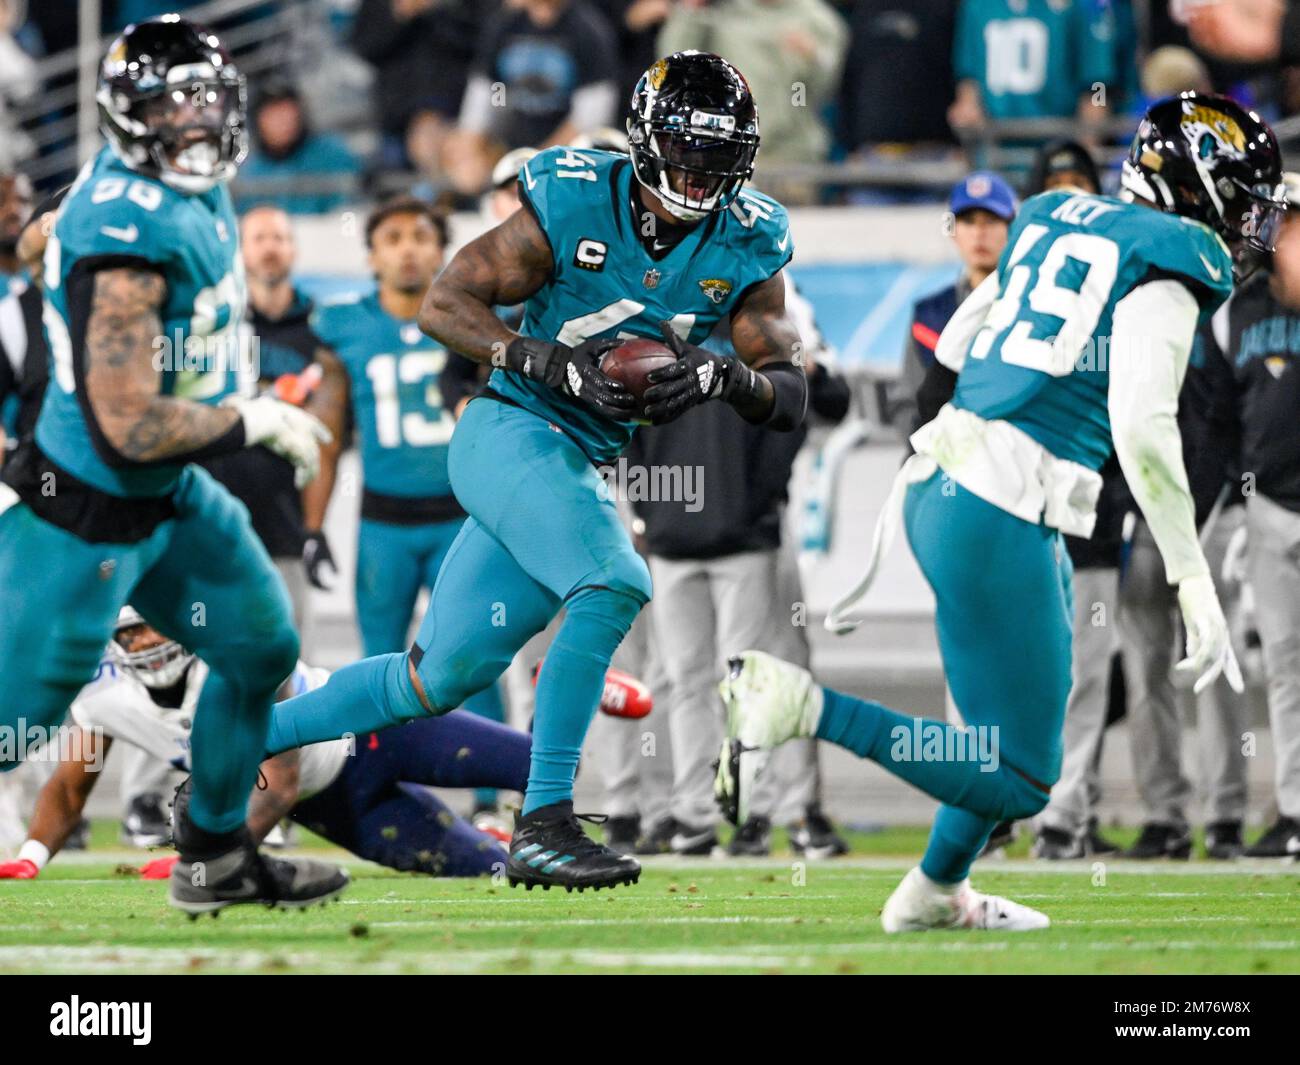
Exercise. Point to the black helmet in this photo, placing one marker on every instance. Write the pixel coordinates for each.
(172, 104)
(1205, 157)
(693, 133)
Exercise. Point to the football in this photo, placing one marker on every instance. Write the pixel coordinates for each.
(631, 363)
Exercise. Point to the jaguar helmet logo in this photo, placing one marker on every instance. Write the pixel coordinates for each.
(1207, 129)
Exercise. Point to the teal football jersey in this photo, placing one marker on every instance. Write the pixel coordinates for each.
(114, 215)
(1035, 58)
(1040, 360)
(401, 427)
(605, 284)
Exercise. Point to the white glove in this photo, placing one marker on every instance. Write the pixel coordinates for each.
(285, 429)
(1209, 648)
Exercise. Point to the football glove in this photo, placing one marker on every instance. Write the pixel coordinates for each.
(289, 432)
(1209, 648)
(573, 371)
(697, 375)
(19, 870)
(316, 555)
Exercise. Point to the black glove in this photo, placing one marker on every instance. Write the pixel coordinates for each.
(696, 376)
(315, 557)
(573, 371)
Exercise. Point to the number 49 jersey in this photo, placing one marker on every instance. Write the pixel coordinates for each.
(393, 369)
(113, 216)
(1041, 359)
(604, 283)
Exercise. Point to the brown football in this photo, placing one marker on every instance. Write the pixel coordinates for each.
(631, 361)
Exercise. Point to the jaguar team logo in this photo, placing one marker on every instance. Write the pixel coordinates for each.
(1206, 128)
(715, 288)
(657, 73)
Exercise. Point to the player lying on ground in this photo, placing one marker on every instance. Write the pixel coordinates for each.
(663, 243)
(371, 797)
(144, 299)
(1081, 337)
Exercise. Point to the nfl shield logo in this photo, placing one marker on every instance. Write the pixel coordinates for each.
(651, 279)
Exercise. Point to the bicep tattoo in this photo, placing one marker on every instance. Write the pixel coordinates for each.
(761, 331)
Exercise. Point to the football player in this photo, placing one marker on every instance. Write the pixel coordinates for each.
(381, 377)
(664, 243)
(144, 295)
(1080, 339)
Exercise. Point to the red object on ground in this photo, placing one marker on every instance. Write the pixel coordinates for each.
(624, 695)
(23, 870)
(159, 868)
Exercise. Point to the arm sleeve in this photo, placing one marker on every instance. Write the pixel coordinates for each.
(955, 340)
(1154, 326)
(937, 388)
(459, 380)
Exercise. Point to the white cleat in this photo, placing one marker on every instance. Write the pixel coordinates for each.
(768, 701)
(919, 904)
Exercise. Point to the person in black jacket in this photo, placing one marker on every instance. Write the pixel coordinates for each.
(714, 552)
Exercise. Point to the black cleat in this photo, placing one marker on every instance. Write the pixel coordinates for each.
(216, 871)
(1161, 841)
(753, 839)
(1223, 840)
(691, 842)
(1280, 841)
(1095, 844)
(1055, 845)
(659, 840)
(550, 848)
(621, 833)
(145, 824)
(815, 836)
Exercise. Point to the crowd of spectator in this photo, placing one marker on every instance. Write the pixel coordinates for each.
(455, 84)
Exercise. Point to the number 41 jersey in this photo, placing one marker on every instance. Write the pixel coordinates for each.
(604, 282)
(113, 216)
(1041, 359)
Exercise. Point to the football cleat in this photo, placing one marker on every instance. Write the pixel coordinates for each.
(242, 876)
(1160, 841)
(768, 701)
(145, 824)
(1055, 845)
(621, 833)
(1097, 844)
(1223, 840)
(659, 838)
(753, 839)
(815, 836)
(550, 848)
(919, 904)
(1280, 841)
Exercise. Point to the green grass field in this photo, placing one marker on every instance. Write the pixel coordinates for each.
(87, 913)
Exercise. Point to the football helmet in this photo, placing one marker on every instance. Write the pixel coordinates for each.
(693, 133)
(173, 105)
(161, 666)
(1206, 157)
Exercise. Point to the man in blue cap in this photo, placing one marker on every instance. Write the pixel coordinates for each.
(980, 210)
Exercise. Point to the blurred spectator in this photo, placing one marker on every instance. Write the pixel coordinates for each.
(15, 210)
(18, 84)
(980, 210)
(1256, 340)
(1032, 59)
(546, 70)
(790, 52)
(421, 51)
(1245, 31)
(1170, 70)
(898, 74)
(1064, 164)
(637, 24)
(287, 151)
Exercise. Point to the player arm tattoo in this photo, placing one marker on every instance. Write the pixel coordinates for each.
(503, 267)
(122, 384)
(329, 402)
(767, 341)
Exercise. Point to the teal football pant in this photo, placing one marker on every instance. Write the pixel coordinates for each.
(202, 578)
(393, 563)
(542, 533)
(1004, 617)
